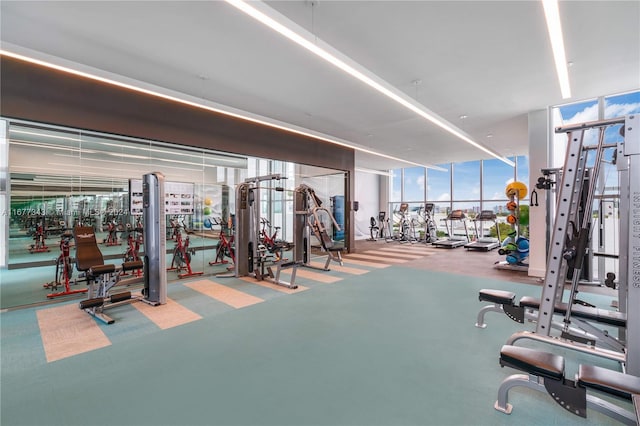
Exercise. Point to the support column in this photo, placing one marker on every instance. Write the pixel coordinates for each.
(538, 159)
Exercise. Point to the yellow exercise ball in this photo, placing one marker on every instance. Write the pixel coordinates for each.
(516, 189)
(207, 201)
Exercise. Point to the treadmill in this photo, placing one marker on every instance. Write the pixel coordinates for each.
(453, 241)
(484, 243)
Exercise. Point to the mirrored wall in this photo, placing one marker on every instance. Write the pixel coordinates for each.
(58, 178)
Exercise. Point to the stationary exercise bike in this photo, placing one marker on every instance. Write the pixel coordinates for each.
(134, 241)
(374, 229)
(64, 269)
(112, 233)
(271, 242)
(39, 245)
(224, 248)
(181, 260)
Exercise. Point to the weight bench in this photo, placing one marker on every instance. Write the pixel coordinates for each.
(328, 245)
(545, 373)
(582, 317)
(281, 266)
(101, 278)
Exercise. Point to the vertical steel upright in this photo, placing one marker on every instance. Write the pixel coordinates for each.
(632, 154)
(628, 166)
(568, 201)
(155, 239)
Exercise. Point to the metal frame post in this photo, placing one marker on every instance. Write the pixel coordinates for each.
(155, 239)
(566, 209)
(632, 153)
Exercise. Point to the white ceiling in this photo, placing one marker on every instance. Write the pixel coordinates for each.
(488, 60)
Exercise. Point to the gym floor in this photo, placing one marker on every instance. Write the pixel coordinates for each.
(387, 340)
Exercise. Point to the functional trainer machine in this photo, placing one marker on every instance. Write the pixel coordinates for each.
(310, 218)
(568, 250)
(484, 243)
(103, 279)
(251, 257)
(453, 241)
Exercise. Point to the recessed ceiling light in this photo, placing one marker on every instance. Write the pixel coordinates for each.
(554, 27)
(462, 117)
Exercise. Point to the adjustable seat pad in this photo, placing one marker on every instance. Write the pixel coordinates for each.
(608, 381)
(88, 253)
(497, 296)
(603, 316)
(533, 361)
(101, 270)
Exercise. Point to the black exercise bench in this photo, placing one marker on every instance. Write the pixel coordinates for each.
(101, 278)
(504, 301)
(546, 373)
(584, 332)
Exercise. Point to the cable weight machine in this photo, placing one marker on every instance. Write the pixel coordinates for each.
(252, 258)
(310, 219)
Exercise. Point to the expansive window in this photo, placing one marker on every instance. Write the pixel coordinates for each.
(396, 185)
(466, 188)
(496, 176)
(439, 184)
(414, 184)
(469, 186)
(569, 114)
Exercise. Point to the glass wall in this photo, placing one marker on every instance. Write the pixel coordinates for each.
(60, 178)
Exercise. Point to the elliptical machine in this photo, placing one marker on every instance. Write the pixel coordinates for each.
(430, 227)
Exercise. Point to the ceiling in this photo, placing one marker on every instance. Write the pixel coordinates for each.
(488, 60)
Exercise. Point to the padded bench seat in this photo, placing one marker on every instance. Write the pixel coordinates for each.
(532, 361)
(549, 365)
(602, 316)
(497, 296)
(545, 373)
(611, 382)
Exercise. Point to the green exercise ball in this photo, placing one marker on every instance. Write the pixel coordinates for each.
(206, 211)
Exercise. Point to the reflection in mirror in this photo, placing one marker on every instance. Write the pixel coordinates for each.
(60, 178)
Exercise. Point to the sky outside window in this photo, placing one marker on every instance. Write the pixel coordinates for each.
(396, 185)
(414, 180)
(439, 184)
(497, 175)
(466, 181)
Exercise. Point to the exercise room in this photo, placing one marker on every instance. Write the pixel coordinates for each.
(319, 213)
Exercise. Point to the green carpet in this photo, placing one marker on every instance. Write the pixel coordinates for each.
(396, 346)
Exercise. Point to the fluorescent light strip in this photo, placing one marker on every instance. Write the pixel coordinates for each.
(393, 94)
(90, 137)
(23, 132)
(552, 15)
(18, 56)
(132, 163)
(207, 155)
(374, 172)
(30, 144)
